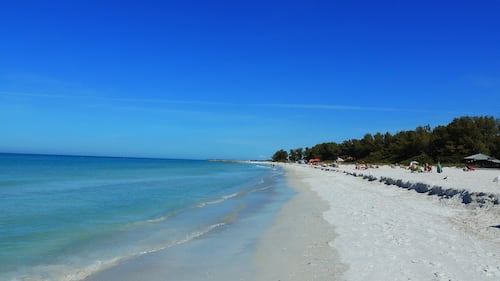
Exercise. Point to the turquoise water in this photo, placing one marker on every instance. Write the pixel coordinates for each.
(66, 218)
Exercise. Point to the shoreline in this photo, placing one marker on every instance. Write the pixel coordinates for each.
(223, 252)
(296, 247)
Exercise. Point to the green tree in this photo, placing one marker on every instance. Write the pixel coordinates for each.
(325, 151)
(280, 156)
(449, 144)
(439, 142)
(295, 154)
(308, 154)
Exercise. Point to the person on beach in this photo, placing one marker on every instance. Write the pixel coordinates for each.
(439, 168)
(427, 168)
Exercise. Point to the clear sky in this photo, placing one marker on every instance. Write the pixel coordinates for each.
(238, 79)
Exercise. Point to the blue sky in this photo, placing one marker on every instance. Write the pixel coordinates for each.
(237, 79)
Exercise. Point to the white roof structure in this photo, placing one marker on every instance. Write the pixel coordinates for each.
(479, 157)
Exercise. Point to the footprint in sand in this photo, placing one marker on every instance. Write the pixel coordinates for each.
(491, 271)
(439, 276)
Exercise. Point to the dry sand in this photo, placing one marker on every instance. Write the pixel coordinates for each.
(379, 231)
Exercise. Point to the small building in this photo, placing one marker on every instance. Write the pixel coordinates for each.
(482, 160)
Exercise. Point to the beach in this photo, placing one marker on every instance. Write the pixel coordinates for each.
(150, 219)
(384, 224)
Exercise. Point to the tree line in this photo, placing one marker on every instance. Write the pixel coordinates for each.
(448, 144)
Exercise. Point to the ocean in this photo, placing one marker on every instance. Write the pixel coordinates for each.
(96, 218)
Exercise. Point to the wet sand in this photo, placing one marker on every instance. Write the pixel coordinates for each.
(296, 247)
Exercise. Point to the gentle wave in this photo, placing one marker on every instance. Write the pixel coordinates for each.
(200, 205)
(103, 265)
(234, 195)
(187, 238)
(60, 272)
(217, 201)
(163, 218)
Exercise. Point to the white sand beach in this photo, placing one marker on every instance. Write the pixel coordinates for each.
(385, 224)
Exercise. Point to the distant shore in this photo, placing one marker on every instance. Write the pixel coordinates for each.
(240, 161)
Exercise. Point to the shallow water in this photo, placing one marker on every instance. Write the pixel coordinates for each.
(67, 218)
